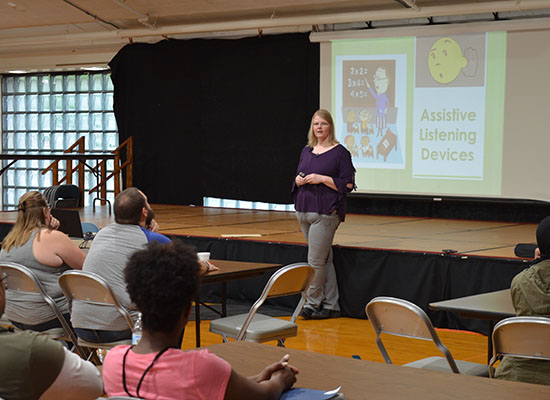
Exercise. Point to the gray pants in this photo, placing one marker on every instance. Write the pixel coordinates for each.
(319, 232)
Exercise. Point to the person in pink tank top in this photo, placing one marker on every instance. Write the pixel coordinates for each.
(162, 281)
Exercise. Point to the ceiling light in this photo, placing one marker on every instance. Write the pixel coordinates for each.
(94, 68)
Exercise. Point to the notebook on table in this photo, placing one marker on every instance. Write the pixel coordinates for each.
(69, 221)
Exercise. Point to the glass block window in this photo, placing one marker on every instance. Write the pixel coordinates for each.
(47, 113)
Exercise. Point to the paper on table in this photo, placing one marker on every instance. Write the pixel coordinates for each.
(311, 394)
(241, 235)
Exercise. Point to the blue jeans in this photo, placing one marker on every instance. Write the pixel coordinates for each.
(101, 336)
(44, 326)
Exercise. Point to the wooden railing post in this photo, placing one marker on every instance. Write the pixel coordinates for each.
(68, 178)
(118, 169)
(130, 159)
(100, 169)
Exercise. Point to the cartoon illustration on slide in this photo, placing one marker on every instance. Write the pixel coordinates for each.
(369, 102)
(386, 144)
(381, 82)
(365, 141)
(365, 116)
(349, 141)
(350, 119)
(446, 60)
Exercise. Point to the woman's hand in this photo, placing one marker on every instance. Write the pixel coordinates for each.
(299, 180)
(318, 179)
(268, 384)
(53, 223)
(265, 375)
(314, 179)
(286, 376)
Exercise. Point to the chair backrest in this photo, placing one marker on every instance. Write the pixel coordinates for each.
(525, 337)
(89, 227)
(66, 195)
(92, 288)
(402, 318)
(288, 280)
(22, 279)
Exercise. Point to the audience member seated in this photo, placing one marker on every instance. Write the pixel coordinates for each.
(531, 297)
(162, 280)
(33, 366)
(35, 243)
(133, 228)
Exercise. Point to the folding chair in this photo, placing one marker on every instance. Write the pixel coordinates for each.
(255, 327)
(525, 337)
(402, 318)
(60, 196)
(22, 279)
(89, 227)
(92, 288)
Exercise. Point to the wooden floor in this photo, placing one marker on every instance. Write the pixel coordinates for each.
(479, 238)
(349, 337)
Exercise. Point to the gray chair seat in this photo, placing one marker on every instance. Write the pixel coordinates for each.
(441, 364)
(262, 328)
(103, 345)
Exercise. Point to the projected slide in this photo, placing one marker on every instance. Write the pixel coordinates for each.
(422, 114)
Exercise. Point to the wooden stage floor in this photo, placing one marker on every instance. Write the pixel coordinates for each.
(479, 238)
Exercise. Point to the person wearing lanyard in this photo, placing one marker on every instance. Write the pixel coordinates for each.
(162, 281)
(325, 175)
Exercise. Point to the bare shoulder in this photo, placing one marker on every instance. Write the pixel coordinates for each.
(53, 235)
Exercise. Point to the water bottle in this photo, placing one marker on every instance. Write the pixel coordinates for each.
(136, 332)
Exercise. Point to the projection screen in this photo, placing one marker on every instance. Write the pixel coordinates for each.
(457, 110)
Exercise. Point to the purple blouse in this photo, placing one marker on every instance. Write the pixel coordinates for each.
(321, 199)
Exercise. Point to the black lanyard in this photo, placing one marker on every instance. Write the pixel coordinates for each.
(142, 376)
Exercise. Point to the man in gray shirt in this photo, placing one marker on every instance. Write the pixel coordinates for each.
(113, 245)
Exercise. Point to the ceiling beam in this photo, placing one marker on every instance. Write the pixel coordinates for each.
(122, 36)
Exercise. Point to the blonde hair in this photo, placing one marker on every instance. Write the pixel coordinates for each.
(312, 139)
(30, 216)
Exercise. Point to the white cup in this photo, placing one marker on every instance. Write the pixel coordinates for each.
(204, 256)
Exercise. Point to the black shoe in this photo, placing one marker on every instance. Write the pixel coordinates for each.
(325, 313)
(306, 313)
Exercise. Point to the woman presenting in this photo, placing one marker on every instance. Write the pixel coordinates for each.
(325, 175)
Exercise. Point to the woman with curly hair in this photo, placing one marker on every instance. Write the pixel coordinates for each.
(35, 242)
(162, 281)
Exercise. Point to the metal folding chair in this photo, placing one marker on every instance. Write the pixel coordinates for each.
(92, 288)
(22, 279)
(402, 318)
(524, 337)
(289, 280)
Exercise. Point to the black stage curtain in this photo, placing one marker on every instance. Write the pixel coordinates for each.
(220, 118)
